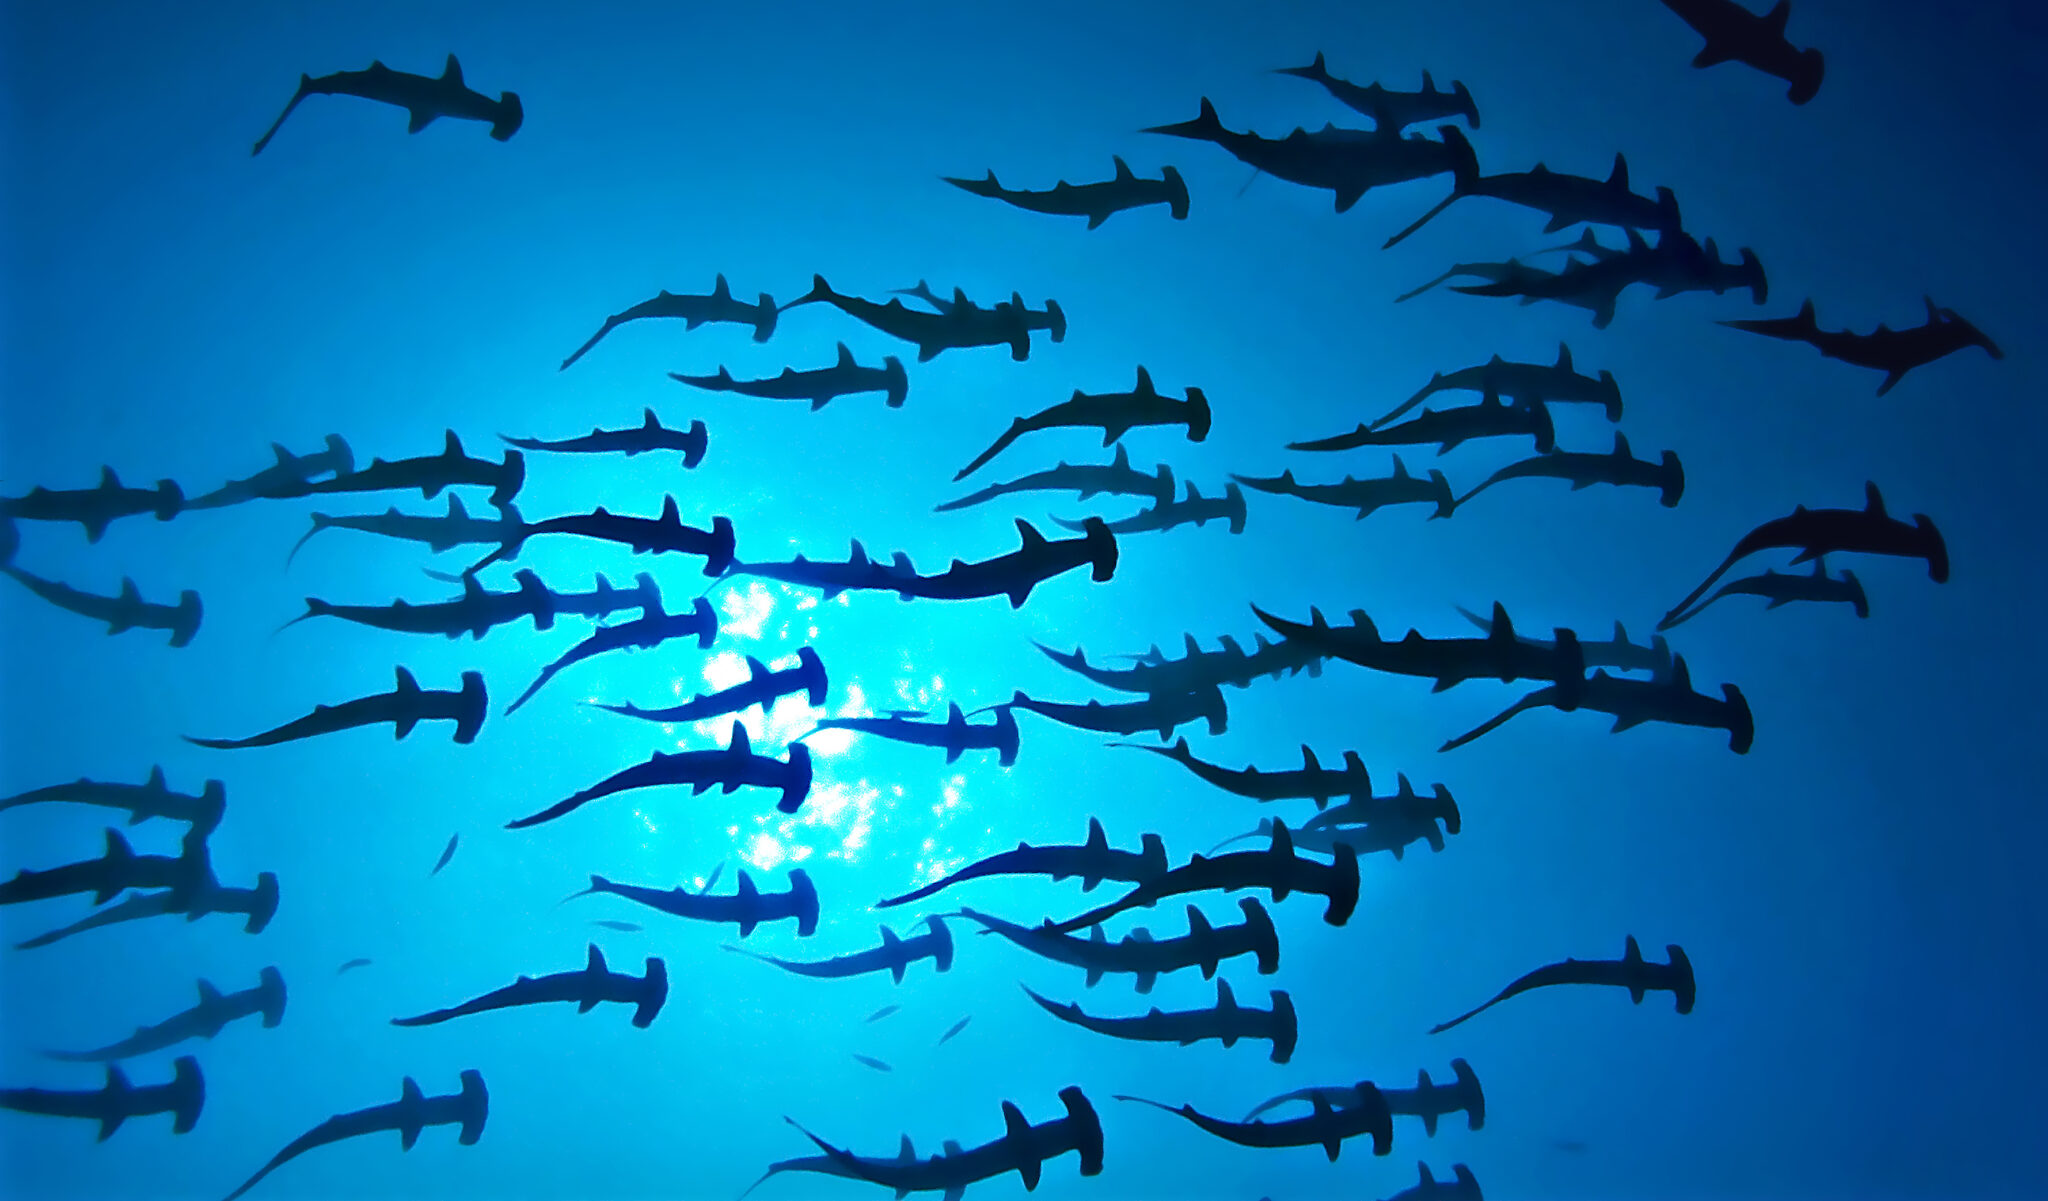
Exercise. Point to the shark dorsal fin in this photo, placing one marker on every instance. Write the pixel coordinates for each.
(108, 479)
(1618, 178)
(1873, 500)
(1225, 999)
(1681, 675)
(595, 965)
(1400, 469)
(1193, 647)
(1283, 842)
(1632, 953)
(1428, 1180)
(954, 717)
(117, 1080)
(1635, 241)
(757, 669)
(130, 594)
(1406, 787)
(1422, 1083)
(1775, 19)
(1032, 538)
(720, 290)
(889, 938)
(1309, 762)
(650, 421)
(1502, 629)
(740, 744)
(1097, 840)
(409, 1092)
(208, 994)
(456, 511)
(406, 684)
(452, 445)
(746, 890)
(1122, 459)
(1123, 169)
(1145, 387)
(906, 1153)
(1198, 926)
(669, 514)
(1564, 352)
(452, 72)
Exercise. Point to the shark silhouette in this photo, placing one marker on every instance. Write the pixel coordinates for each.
(119, 1100)
(1327, 1127)
(1365, 496)
(424, 98)
(747, 908)
(652, 628)
(475, 612)
(1528, 383)
(1098, 202)
(1734, 34)
(118, 868)
(1783, 587)
(820, 386)
(1619, 468)
(1566, 199)
(1493, 417)
(204, 1020)
(583, 987)
(405, 706)
(1114, 413)
(1448, 661)
(1310, 781)
(1197, 670)
(649, 437)
(1345, 162)
(1092, 862)
(1015, 575)
(453, 467)
(1051, 319)
(894, 955)
(727, 769)
(1815, 533)
(284, 479)
(665, 534)
(1023, 1149)
(1087, 480)
(1162, 712)
(1277, 870)
(1892, 351)
(858, 573)
(1194, 509)
(1143, 957)
(719, 308)
(1392, 110)
(955, 736)
(960, 328)
(410, 1114)
(761, 687)
(194, 900)
(1616, 653)
(1226, 1022)
(437, 532)
(97, 507)
(1667, 697)
(1631, 971)
(151, 798)
(1426, 1100)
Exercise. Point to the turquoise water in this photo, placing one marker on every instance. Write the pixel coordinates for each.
(1855, 893)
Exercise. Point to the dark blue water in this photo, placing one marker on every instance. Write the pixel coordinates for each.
(1856, 893)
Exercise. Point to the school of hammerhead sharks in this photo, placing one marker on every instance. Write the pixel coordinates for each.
(1629, 682)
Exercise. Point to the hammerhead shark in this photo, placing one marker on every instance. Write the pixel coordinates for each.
(600, 602)
(119, 1100)
(192, 899)
(1226, 1023)
(410, 1114)
(584, 988)
(1406, 805)
(1022, 1149)
(665, 534)
(819, 386)
(1347, 163)
(1143, 957)
(1087, 480)
(1327, 1127)
(1619, 468)
(1194, 509)
(1783, 587)
(649, 437)
(1197, 670)
(1675, 264)
(1616, 653)
(151, 798)
(1093, 862)
(1391, 110)
(652, 628)
(204, 1020)
(124, 612)
(1051, 319)
(1365, 496)
(1014, 575)
(747, 908)
(1566, 199)
(1492, 417)
(475, 612)
(1310, 781)
(1162, 712)
(727, 769)
(1096, 201)
(1818, 532)
(423, 97)
(955, 736)
(932, 333)
(761, 687)
(1115, 413)
(117, 869)
(893, 956)
(97, 507)
(1277, 870)
(1513, 273)
(1529, 383)
(283, 480)
(437, 533)
(1391, 831)
(1892, 351)
(451, 468)
(1734, 34)
(1426, 1100)
(1463, 1186)
(405, 706)
(719, 308)
(858, 573)
(1631, 971)
(1448, 661)
(1667, 697)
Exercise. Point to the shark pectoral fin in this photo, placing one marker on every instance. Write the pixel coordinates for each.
(1095, 221)
(402, 726)
(421, 118)
(1711, 55)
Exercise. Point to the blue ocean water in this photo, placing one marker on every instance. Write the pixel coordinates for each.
(1855, 893)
